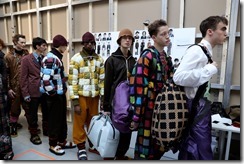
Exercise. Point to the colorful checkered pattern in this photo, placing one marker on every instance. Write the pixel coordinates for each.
(51, 81)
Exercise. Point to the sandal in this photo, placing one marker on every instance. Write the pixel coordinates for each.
(81, 154)
(57, 150)
(93, 150)
(67, 145)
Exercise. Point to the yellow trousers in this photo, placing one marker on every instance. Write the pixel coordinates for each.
(89, 108)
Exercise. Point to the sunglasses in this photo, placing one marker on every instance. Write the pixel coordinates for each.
(92, 42)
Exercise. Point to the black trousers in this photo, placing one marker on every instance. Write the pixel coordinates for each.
(31, 109)
(57, 122)
(44, 109)
(124, 144)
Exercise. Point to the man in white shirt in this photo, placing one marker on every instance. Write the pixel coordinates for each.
(193, 71)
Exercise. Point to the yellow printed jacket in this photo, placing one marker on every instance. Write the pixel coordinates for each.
(86, 75)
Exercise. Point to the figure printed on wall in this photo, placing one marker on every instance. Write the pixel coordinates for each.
(98, 48)
(104, 36)
(171, 36)
(149, 43)
(142, 41)
(144, 33)
(105, 43)
(181, 39)
(137, 47)
(176, 64)
(103, 49)
(137, 35)
(99, 37)
(108, 49)
(142, 46)
(109, 36)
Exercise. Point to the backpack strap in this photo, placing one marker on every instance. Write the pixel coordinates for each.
(205, 50)
(200, 92)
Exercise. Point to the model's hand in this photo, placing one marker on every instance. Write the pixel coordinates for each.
(133, 125)
(77, 109)
(11, 93)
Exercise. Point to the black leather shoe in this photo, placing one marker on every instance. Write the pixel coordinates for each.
(36, 140)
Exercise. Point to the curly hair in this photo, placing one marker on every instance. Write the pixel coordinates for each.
(153, 27)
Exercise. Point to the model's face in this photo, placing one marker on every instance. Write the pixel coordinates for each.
(42, 48)
(126, 41)
(88, 46)
(20, 44)
(162, 38)
(62, 49)
(220, 34)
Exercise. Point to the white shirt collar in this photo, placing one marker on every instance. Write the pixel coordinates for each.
(208, 45)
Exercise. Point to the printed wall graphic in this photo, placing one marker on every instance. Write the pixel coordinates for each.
(142, 41)
(106, 43)
(181, 39)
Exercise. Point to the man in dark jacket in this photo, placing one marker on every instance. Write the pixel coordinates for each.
(118, 67)
(30, 83)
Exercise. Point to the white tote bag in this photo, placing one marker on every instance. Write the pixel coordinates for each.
(103, 135)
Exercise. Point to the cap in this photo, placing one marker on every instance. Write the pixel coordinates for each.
(88, 37)
(59, 40)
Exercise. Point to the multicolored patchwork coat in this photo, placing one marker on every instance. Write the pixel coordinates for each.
(148, 78)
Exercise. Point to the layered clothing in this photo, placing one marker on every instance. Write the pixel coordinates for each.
(193, 71)
(148, 78)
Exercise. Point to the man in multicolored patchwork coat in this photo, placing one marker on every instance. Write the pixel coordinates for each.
(86, 76)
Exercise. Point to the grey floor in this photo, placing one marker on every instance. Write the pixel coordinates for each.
(25, 150)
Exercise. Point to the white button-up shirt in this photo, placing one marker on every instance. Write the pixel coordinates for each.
(193, 70)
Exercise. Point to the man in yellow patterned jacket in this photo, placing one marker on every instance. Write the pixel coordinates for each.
(86, 76)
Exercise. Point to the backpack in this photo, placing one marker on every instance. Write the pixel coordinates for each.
(170, 115)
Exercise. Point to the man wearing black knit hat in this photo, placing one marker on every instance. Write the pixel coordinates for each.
(86, 86)
(53, 83)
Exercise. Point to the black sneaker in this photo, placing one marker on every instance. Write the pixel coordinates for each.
(36, 140)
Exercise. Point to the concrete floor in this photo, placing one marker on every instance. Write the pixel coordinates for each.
(25, 150)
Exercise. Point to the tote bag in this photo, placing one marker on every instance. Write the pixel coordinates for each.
(103, 135)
